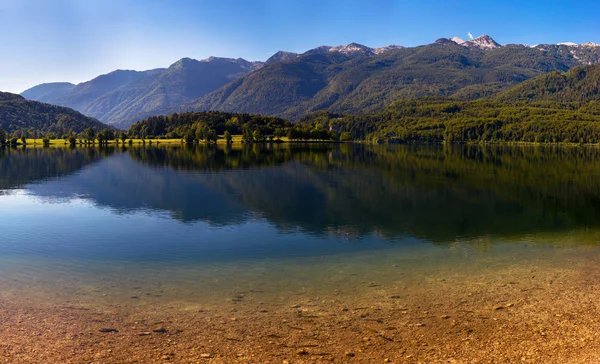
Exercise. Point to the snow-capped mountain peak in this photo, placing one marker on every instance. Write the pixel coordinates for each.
(571, 44)
(386, 48)
(457, 40)
(483, 41)
(590, 44)
(353, 49)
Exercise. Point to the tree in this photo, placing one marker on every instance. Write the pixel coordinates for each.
(105, 135)
(90, 135)
(279, 133)
(246, 134)
(345, 137)
(293, 134)
(211, 136)
(200, 134)
(2, 137)
(123, 137)
(257, 135)
(72, 140)
(189, 137)
(228, 138)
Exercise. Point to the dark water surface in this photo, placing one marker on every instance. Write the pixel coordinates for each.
(199, 224)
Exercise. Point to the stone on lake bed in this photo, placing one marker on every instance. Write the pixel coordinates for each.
(108, 330)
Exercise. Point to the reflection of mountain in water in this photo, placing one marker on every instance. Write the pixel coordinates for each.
(439, 194)
(434, 193)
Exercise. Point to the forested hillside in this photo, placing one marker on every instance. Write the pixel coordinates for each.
(534, 111)
(38, 119)
(557, 107)
(580, 84)
(338, 83)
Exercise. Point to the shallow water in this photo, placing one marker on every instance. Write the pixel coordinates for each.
(209, 226)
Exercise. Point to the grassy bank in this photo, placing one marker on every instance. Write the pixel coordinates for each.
(236, 139)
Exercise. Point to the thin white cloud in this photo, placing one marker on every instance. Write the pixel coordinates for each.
(470, 35)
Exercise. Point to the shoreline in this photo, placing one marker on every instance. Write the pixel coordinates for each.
(221, 142)
(543, 311)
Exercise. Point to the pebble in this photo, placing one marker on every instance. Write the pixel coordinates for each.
(498, 308)
(108, 330)
(510, 305)
(351, 355)
(301, 352)
(206, 356)
(161, 330)
(445, 316)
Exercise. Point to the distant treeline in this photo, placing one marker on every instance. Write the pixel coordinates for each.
(425, 120)
(444, 120)
(208, 125)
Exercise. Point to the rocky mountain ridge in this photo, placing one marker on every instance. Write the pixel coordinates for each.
(347, 78)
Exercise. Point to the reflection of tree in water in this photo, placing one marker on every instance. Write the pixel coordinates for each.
(437, 193)
(210, 158)
(441, 194)
(20, 166)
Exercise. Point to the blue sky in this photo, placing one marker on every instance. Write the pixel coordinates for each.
(76, 40)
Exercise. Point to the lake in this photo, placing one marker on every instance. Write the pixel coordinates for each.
(308, 252)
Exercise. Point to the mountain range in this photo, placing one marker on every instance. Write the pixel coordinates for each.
(350, 79)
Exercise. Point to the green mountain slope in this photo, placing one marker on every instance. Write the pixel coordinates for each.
(580, 84)
(311, 82)
(554, 107)
(17, 113)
